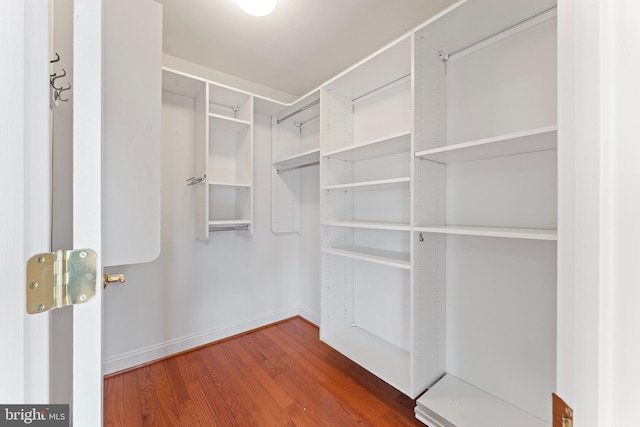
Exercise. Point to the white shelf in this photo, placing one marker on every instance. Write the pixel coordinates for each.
(385, 360)
(181, 83)
(384, 184)
(393, 144)
(391, 226)
(452, 401)
(298, 160)
(230, 186)
(375, 255)
(513, 233)
(529, 141)
(227, 124)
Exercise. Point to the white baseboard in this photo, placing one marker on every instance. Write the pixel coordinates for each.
(167, 348)
(309, 315)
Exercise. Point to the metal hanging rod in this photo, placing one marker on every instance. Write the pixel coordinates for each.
(389, 85)
(514, 29)
(299, 110)
(244, 227)
(297, 167)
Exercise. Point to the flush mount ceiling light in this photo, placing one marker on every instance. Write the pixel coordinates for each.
(257, 7)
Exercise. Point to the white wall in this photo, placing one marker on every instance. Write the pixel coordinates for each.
(195, 293)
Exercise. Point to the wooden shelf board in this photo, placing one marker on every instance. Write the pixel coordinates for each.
(298, 160)
(375, 255)
(393, 226)
(384, 184)
(383, 359)
(514, 233)
(393, 144)
(452, 401)
(529, 141)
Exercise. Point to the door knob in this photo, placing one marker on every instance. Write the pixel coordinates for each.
(113, 278)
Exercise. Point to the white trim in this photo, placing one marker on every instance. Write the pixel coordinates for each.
(177, 345)
(37, 186)
(310, 315)
(87, 400)
(12, 37)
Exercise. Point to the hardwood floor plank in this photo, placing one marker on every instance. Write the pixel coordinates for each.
(212, 389)
(165, 396)
(367, 407)
(114, 402)
(302, 383)
(257, 399)
(281, 375)
(148, 401)
(132, 409)
(176, 380)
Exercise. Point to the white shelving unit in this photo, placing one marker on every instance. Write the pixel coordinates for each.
(370, 310)
(485, 209)
(295, 134)
(223, 154)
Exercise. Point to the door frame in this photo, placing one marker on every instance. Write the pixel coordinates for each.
(25, 200)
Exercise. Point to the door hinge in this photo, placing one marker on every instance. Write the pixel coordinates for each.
(562, 413)
(60, 278)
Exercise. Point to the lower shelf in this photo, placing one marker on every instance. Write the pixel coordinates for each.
(453, 402)
(385, 360)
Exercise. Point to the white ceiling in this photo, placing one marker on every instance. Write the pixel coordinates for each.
(299, 46)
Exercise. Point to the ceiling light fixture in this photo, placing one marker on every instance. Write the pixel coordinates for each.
(257, 7)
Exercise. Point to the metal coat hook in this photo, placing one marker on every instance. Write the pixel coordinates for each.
(56, 91)
(56, 77)
(59, 93)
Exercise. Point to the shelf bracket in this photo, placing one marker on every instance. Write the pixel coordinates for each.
(443, 56)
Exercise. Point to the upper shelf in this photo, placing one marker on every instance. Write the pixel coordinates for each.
(394, 144)
(511, 233)
(297, 161)
(181, 83)
(528, 141)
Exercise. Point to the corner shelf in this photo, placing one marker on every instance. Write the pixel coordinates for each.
(375, 255)
(513, 233)
(528, 141)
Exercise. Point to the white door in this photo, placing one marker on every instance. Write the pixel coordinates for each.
(25, 201)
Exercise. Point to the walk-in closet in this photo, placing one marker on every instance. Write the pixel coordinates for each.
(441, 207)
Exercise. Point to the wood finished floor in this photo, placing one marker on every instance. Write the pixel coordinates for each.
(282, 375)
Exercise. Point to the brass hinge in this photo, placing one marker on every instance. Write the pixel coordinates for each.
(60, 278)
(562, 413)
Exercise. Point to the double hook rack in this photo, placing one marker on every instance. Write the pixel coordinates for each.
(56, 92)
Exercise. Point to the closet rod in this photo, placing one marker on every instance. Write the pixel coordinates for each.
(229, 228)
(514, 29)
(389, 85)
(297, 167)
(298, 111)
